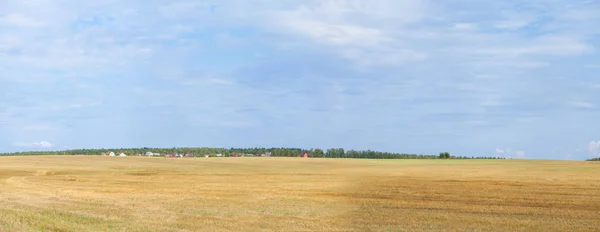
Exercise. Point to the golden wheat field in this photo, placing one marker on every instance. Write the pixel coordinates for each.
(60, 193)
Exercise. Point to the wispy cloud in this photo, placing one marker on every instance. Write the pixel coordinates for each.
(35, 145)
(594, 148)
(585, 105)
(510, 153)
(520, 154)
(20, 20)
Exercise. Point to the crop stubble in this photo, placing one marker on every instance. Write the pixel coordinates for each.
(60, 193)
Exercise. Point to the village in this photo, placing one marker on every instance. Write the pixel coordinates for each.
(188, 155)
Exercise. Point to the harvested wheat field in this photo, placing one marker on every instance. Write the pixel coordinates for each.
(60, 193)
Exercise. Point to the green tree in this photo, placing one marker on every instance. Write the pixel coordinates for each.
(444, 155)
(318, 152)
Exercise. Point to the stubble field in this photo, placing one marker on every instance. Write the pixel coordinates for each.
(60, 193)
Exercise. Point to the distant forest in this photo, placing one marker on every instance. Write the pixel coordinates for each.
(275, 152)
(594, 159)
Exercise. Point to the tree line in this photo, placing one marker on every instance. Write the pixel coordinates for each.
(275, 152)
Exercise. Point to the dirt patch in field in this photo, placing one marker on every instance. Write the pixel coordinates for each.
(44, 173)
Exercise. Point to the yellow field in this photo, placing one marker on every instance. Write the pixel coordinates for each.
(294, 194)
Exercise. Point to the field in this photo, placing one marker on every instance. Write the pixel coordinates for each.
(70, 193)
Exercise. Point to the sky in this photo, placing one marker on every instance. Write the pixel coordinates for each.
(514, 78)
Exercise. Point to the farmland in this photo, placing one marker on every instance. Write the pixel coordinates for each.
(94, 193)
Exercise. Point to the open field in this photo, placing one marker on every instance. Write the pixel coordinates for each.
(72, 193)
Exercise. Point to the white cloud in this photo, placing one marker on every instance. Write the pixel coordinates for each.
(520, 154)
(554, 45)
(176, 9)
(513, 21)
(569, 156)
(580, 104)
(512, 24)
(20, 20)
(177, 75)
(41, 127)
(465, 26)
(509, 153)
(477, 122)
(220, 81)
(357, 30)
(70, 41)
(499, 152)
(490, 103)
(382, 57)
(205, 81)
(594, 148)
(591, 66)
(337, 34)
(238, 124)
(528, 119)
(41, 144)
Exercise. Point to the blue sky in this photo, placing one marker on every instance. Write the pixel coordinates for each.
(478, 78)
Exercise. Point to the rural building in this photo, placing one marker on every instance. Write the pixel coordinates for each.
(266, 154)
(111, 154)
(304, 154)
(122, 154)
(237, 155)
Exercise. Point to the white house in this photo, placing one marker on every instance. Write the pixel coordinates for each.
(122, 154)
(111, 154)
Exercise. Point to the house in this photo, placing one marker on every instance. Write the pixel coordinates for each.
(238, 155)
(304, 154)
(122, 154)
(111, 154)
(266, 154)
(149, 154)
